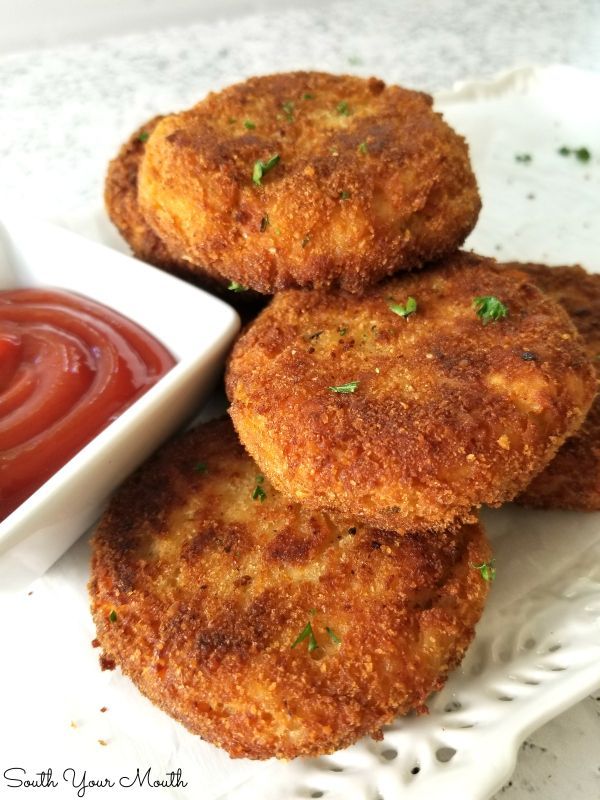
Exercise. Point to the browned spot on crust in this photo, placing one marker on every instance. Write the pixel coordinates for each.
(106, 663)
(447, 414)
(369, 182)
(209, 637)
(572, 479)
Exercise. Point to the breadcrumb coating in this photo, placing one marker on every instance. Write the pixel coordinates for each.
(121, 201)
(571, 480)
(410, 422)
(306, 179)
(265, 627)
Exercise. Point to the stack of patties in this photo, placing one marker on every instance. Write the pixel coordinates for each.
(288, 598)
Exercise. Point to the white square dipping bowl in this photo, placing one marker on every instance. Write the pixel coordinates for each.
(196, 327)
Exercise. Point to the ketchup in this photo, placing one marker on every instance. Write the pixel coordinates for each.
(68, 367)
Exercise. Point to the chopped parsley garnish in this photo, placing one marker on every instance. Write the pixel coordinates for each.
(345, 388)
(144, 136)
(335, 639)
(583, 154)
(315, 335)
(344, 195)
(362, 148)
(308, 96)
(524, 158)
(234, 286)
(306, 240)
(487, 570)
(527, 355)
(113, 616)
(342, 331)
(259, 493)
(249, 125)
(404, 310)
(201, 467)
(264, 223)
(489, 308)
(262, 167)
(580, 153)
(342, 109)
(307, 633)
(288, 110)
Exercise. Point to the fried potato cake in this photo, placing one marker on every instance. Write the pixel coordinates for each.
(405, 407)
(267, 628)
(120, 197)
(306, 179)
(572, 479)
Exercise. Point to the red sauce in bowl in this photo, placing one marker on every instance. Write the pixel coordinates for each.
(68, 367)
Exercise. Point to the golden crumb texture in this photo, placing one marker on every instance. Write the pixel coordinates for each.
(359, 180)
(201, 585)
(572, 479)
(409, 422)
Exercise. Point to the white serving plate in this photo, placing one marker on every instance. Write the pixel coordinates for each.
(537, 648)
(196, 327)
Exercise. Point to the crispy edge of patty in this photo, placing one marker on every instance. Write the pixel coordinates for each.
(358, 194)
(121, 202)
(447, 414)
(571, 481)
(199, 591)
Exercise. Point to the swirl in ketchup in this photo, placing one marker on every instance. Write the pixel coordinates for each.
(68, 367)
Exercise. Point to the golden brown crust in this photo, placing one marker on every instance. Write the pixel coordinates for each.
(120, 197)
(448, 413)
(572, 479)
(211, 588)
(370, 181)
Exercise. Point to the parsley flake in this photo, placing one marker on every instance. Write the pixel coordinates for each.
(259, 493)
(264, 223)
(345, 388)
(362, 148)
(524, 158)
(249, 125)
(487, 570)
(404, 310)
(342, 109)
(315, 335)
(581, 153)
(342, 331)
(306, 240)
(201, 467)
(234, 286)
(344, 195)
(262, 167)
(288, 110)
(144, 136)
(489, 308)
(307, 633)
(308, 96)
(335, 639)
(113, 616)
(528, 355)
